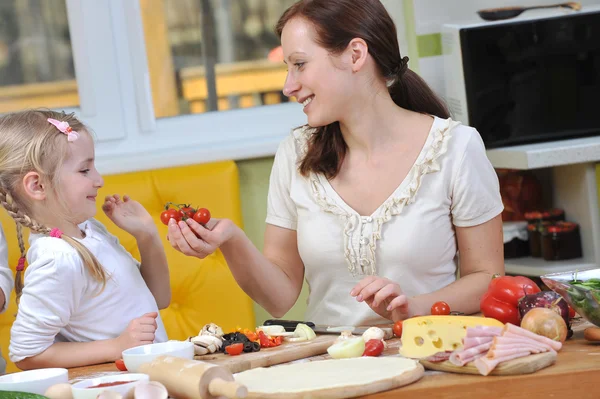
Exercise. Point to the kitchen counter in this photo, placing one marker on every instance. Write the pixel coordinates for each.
(547, 154)
(575, 374)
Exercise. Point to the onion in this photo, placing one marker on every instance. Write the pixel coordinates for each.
(545, 322)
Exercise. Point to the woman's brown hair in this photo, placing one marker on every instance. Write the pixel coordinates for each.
(337, 22)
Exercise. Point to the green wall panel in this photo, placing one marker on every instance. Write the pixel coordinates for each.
(254, 186)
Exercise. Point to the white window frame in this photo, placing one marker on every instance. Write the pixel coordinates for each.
(109, 54)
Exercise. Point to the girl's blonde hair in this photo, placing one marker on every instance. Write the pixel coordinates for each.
(28, 142)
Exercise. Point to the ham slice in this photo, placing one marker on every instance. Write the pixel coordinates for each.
(501, 352)
(464, 356)
(513, 343)
(483, 331)
(511, 328)
(471, 342)
(514, 339)
(485, 365)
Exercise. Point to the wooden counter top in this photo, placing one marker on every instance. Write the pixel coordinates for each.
(575, 375)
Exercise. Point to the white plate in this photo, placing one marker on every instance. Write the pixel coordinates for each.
(82, 390)
(33, 381)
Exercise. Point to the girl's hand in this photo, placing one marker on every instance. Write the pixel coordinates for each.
(384, 296)
(128, 215)
(193, 239)
(140, 331)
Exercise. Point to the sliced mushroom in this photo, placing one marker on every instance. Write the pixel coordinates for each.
(204, 344)
(213, 330)
(374, 333)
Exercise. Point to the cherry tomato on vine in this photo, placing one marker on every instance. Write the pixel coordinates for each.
(165, 216)
(440, 309)
(202, 216)
(398, 328)
(188, 211)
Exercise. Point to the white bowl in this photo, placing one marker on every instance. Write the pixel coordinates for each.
(82, 390)
(135, 357)
(33, 381)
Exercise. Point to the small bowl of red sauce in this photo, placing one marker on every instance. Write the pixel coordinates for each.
(119, 383)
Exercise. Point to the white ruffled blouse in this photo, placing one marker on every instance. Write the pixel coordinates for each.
(410, 238)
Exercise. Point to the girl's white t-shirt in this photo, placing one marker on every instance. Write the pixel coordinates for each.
(62, 303)
(409, 239)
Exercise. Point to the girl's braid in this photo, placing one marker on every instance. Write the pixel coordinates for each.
(21, 220)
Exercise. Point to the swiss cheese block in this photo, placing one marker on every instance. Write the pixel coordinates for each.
(424, 336)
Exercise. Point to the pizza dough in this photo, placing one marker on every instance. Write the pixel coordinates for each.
(327, 375)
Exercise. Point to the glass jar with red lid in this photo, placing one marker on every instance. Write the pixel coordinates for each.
(516, 239)
(561, 241)
(535, 237)
(552, 215)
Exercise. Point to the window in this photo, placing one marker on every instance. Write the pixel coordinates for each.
(208, 55)
(132, 59)
(36, 62)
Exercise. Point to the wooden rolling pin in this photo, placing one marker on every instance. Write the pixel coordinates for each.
(193, 379)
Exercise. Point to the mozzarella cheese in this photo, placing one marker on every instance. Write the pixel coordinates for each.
(424, 336)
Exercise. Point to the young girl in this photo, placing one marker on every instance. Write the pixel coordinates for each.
(84, 299)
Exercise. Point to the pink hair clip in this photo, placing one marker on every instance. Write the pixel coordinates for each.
(64, 127)
(21, 264)
(56, 233)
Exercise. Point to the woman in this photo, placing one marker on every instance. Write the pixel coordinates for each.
(371, 201)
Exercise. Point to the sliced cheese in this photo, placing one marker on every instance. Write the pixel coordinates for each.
(424, 336)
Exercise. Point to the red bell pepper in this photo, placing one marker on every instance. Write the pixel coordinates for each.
(266, 341)
(502, 298)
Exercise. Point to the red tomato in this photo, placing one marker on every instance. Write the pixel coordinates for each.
(120, 365)
(373, 347)
(170, 213)
(440, 308)
(572, 312)
(188, 211)
(398, 328)
(234, 349)
(202, 216)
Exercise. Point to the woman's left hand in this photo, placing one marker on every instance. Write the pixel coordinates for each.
(128, 215)
(384, 296)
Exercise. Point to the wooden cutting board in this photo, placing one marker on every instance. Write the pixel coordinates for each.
(523, 365)
(286, 352)
(332, 379)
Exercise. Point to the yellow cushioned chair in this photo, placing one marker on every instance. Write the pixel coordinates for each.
(203, 291)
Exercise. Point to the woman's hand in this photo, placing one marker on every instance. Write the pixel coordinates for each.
(384, 296)
(191, 238)
(128, 215)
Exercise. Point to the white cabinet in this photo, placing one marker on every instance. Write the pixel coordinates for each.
(574, 189)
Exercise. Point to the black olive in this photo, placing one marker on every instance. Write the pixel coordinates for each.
(248, 347)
